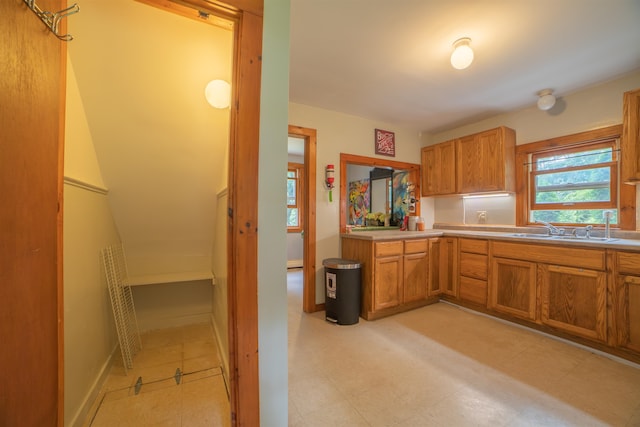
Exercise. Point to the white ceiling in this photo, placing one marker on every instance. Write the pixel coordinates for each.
(389, 60)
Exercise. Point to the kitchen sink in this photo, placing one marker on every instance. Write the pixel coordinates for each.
(584, 239)
(564, 237)
(532, 235)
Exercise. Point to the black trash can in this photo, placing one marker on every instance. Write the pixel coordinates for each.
(342, 291)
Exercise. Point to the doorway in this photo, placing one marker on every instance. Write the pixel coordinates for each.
(309, 269)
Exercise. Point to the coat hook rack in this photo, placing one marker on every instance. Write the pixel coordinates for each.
(52, 19)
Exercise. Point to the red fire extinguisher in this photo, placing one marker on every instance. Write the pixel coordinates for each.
(329, 179)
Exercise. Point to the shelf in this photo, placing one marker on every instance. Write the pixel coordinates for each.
(156, 279)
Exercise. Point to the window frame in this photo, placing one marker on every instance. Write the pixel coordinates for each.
(577, 148)
(298, 168)
(626, 194)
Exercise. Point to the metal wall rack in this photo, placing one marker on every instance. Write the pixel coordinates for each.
(52, 19)
(124, 312)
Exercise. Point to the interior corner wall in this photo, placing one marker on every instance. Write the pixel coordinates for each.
(89, 332)
(595, 107)
(336, 133)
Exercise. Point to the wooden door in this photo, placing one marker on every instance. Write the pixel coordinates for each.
(627, 310)
(387, 281)
(32, 100)
(512, 287)
(416, 276)
(574, 300)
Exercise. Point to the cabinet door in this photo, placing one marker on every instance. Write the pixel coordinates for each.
(447, 178)
(429, 163)
(434, 266)
(387, 282)
(627, 309)
(492, 164)
(438, 169)
(512, 287)
(416, 275)
(469, 164)
(574, 299)
(443, 266)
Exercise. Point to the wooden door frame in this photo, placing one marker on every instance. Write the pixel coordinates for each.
(309, 222)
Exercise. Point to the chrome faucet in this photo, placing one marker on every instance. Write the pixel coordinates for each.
(552, 228)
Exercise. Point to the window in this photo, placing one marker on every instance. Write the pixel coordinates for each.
(572, 179)
(574, 185)
(294, 197)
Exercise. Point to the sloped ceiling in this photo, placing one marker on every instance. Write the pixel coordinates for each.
(389, 60)
(162, 149)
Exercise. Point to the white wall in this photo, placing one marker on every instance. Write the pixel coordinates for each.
(341, 133)
(272, 260)
(592, 108)
(89, 332)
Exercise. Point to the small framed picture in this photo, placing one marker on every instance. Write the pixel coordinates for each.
(385, 143)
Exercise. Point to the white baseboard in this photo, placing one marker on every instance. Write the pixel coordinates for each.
(224, 353)
(295, 263)
(81, 414)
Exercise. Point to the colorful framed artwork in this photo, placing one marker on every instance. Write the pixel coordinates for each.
(385, 143)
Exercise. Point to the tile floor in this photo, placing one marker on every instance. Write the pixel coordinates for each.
(200, 399)
(443, 366)
(434, 366)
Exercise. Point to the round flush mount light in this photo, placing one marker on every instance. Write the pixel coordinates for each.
(218, 93)
(546, 100)
(462, 55)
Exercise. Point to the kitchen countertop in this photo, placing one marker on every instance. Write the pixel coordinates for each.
(503, 233)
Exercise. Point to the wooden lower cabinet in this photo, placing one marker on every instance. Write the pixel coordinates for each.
(574, 300)
(443, 255)
(473, 270)
(626, 306)
(512, 288)
(395, 274)
(416, 276)
(387, 279)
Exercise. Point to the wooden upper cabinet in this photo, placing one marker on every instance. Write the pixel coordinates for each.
(485, 161)
(439, 169)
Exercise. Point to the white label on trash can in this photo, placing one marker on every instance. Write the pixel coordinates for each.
(331, 285)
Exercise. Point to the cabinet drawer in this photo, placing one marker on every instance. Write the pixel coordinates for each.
(474, 265)
(628, 263)
(473, 290)
(474, 246)
(416, 246)
(388, 248)
(593, 259)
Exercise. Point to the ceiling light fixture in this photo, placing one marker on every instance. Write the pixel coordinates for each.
(546, 100)
(218, 93)
(462, 55)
